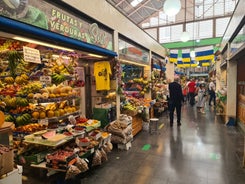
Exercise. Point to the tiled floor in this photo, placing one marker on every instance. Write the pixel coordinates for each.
(202, 151)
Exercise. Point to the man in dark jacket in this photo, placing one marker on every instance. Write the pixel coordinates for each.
(175, 101)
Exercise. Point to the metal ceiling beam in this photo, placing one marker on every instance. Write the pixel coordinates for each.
(120, 2)
(141, 6)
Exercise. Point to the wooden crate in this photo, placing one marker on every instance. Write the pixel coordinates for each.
(136, 124)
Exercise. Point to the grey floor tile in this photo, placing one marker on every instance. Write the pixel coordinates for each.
(201, 151)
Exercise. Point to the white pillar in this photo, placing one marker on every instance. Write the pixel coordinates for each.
(147, 71)
(218, 73)
(231, 89)
(170, 71)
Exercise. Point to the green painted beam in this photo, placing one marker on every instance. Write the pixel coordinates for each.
(191, 44)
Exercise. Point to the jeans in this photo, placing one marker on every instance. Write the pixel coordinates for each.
(192, 98)
(212, 97)
(172, 107)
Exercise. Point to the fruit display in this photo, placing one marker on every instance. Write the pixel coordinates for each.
(58, 78)
(23, 119)
(30, 128)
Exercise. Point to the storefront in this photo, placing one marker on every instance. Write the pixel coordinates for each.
(47, 82)
(134, 81)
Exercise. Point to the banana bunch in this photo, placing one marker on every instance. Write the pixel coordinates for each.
(62, 104)
(10, 102)
(22, 102)
(23, 119)
(58, 78)
(22, 79)
(1, 84)
(9, 118)
(14, 60)
(51, 107)
(9, 80)
(33, 87)
(129, 106)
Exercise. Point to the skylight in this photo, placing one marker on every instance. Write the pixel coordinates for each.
(135, 2)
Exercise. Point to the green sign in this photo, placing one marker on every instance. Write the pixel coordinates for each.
(50, 17)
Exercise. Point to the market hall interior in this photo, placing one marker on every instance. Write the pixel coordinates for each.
(202, 150)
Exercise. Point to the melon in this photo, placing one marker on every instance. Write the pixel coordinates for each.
(2, 118)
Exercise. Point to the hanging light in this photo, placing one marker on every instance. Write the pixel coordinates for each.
(185, 36)
(171, 7)
(192, 54)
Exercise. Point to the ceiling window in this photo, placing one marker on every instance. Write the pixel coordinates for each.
(199, 11)
(219, 8)
(154, 21)
(162, 18)
(193, 29)
(206, 29)
(208, 8)
(134, 3)
(229, 6)
(221, 25)
(176, 32)
(164, 34)
(145, 25)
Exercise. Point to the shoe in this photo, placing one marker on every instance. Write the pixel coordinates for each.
(178, 124)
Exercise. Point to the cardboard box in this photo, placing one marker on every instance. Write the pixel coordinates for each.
(6, 162)
(13, 177)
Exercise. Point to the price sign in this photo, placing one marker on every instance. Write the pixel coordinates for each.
(31, 55)
(45, 79)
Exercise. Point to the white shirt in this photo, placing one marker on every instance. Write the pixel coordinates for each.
(211, 86)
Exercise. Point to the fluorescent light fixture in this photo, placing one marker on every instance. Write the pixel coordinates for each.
(135, 2)
(131, 62)
(41, 43)
(57, 56)
(95, 55)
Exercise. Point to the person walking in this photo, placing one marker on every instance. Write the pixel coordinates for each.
(201, 98)
(192, 90)
(212, 95)
(175, 101)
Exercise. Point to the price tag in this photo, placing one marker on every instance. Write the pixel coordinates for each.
(45, 79)
(43, 121)
(92, 150)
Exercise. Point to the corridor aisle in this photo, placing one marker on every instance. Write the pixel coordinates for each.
(201, 151)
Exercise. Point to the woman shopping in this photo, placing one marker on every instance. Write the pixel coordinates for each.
(201, 98)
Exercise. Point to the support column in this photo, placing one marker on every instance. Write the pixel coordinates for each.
(116, 49)
(170, 71)
(231, 90)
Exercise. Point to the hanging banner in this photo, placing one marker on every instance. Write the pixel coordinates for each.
(173, 56)
(50, 17)
(186, 55)
(204, 53)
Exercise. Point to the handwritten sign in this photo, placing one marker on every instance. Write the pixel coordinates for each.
(45, 79)
(31, 55)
